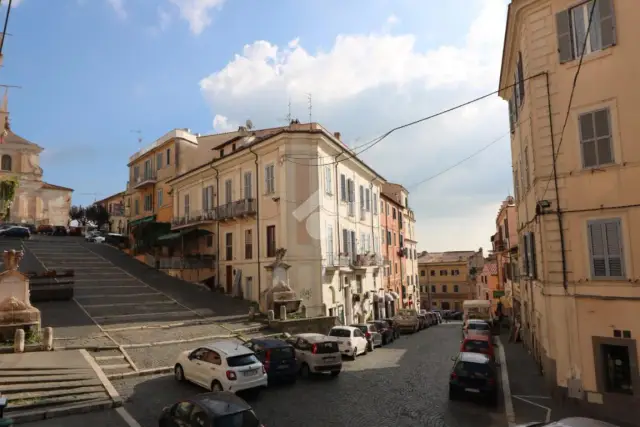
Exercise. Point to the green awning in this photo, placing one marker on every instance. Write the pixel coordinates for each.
(194, 232)
(198, 232)
(170, 236)
(144, 220)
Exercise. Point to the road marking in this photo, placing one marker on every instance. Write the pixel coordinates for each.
(124, 304)
(548, 417)
(142, 314)
(108, 287)
(126, 416)
(506, 387)
(116, 295)
(532, 397)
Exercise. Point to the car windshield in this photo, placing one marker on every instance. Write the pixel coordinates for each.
(282, 352)
(475, 345)
(479, 326)
(342, 333)
(240, 419)
(244, 360)
(363, 328)
(473, 370)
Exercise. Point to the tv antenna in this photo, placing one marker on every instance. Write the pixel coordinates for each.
(139, 132)
(249, 124)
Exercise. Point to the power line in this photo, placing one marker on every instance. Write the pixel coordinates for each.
(376, 141)
(573, 89)
(460, 162)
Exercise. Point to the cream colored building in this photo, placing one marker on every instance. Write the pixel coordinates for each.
(115, 205)
(36, 202)
(580, 224)
(283, 188)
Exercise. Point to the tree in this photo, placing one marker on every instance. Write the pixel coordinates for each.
(79, 214)
(8, 187)
(97, 214)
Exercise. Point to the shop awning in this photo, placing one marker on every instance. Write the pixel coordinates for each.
(168, 237)
(144, 220)
(196, 232)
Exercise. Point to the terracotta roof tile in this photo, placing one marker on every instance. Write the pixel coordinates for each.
(451, 256)
(47, 186)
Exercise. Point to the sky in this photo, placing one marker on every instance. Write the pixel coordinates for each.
(95, 75)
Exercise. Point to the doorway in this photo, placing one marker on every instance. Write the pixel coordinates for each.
(229, 278)
(617, 369)
(446, 305)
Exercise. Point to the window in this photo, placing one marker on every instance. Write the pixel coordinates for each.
(456, 288)
(159, 160)
(444, 273)
(248, 190)
(248, 244)
(362, 207)
(136, 207)
(526, 168)
(160, 198)
(572, 24)
(228, 191)
(330, 242)
(168, 156)
(270, 179)
(327, 180)
(367, 200)
(394, 212)
(433, 288)
(207, 198)
(186, 205)
(519, 81)
(6, 162)
(343, 188)
(422, 273)
(444, 288)
(432, 272)
(148, 202)
(605, 248)
(351, 195)
(375, 203)
(228, 240)
(455, 272)
(136, 172)
(148, 169)
(209, 241)
(388, 237)
(617, 368)
(271, 241)
(529, 260)
(595, 138)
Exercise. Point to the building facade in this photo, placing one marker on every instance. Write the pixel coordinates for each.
(264, 191)
(115, 205)
(575, 197)
(449, 278)
(488, 283)
(390, 212)
(505, 250)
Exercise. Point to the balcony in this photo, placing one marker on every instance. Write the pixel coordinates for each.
(237, 209)
(366, 260)
(195, 218)
(332, 260)
(145, 180)
(188, 262)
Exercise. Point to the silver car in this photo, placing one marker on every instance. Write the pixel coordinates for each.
(370, 331)
(316, 353)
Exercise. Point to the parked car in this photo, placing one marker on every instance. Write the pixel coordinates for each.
(351, 341)
(438, 315)
(434, 318)
(424, 321)
(94, 236)
(278, 358)
(570, 422)
(386, 330)
(59, 230)
(45, 229)
(221, 366)
(316, 353)
(474, 374)
(393, 325)
(210, 409)
(476, 326)
(475, 343)
(407, 320)
(371, 333)
(16, 232)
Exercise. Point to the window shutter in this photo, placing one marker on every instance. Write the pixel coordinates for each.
(343, 188)
(353, 242)
(361, 197)
(606, 248)
(607, 23)
(520, 78)
(597, 247)
(533, 267)
(511, 121)
(565, 43)
(615, 265)
(602, 126)
(345, 241)
(375, 204)
(204, 199)
(525, 257)
(367, 199)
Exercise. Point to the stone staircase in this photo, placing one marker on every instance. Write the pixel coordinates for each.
(111, 361)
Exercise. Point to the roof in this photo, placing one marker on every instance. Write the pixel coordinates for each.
(314, 337)
(490, 269)
(221, 403)
(444, 257)
(390, 190)
(474, 357)
(47, 186)
(270, 342)
(113, 196)
(230, 348)
(14, 138)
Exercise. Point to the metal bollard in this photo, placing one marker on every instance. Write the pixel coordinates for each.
(283, 312)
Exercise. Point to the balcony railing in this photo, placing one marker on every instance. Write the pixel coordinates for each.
(147, 178)
(194, 218)
(367, 260)
(237, 209)
(333, 260)
(188, 262)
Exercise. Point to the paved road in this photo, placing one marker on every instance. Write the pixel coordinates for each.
(404, 384)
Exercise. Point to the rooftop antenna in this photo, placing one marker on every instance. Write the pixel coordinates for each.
(249, 124)
(139, 132)
(310, 108)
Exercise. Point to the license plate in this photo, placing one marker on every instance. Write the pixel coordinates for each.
(250, 373)
(472, 390)
(329, 359)
(283, 367)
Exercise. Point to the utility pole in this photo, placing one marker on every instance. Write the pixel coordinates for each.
(6, 23)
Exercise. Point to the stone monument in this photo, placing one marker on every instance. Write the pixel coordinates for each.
(16, 311)
(279, 293)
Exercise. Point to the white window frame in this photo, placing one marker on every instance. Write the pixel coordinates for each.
(270, 178)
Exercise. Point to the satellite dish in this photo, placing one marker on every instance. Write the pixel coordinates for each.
(249, 124)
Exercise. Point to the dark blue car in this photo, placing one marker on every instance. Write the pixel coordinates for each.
(278, 358)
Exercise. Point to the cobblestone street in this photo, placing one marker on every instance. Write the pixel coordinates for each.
(403, 384)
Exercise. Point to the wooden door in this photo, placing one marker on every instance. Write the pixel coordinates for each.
(229, 278)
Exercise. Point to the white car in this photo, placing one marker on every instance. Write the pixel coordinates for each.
(94, 236)
(221, 366)
(351, 341)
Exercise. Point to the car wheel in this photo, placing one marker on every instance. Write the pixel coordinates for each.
(355, 353)
(370, 346)
(305, 371)
(216, 386)
(335, 373)
(178, 373)
(452, 395)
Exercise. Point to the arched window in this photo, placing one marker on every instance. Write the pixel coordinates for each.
(6, 162)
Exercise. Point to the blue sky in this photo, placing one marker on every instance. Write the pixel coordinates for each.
(92, 71)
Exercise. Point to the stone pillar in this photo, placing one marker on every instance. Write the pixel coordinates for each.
(18, 341)
(303, 311)
(348, 306)
(252, 313)
(271, 315)
(283, 312)
(47, 339)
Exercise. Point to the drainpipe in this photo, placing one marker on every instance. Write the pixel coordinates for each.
(257, 223)
(217, 223)
(336, 180)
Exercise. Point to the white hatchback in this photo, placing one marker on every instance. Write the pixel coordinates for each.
(221, 366)
(351, 341)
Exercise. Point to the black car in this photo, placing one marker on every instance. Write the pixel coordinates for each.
(474, 375)
(16, 232)
(223, 409)
(278, 358)
(394, 327)
(386, 330)
(59, 230)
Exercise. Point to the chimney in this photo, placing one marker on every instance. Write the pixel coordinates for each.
(242, 130)
(337, 136)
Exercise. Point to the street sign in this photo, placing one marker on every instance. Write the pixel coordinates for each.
(498, 294)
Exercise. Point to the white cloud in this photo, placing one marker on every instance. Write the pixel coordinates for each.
(393, 20)
(368, 83)
(118, 8)
(164, 19)
(222, 124)
(197, 12)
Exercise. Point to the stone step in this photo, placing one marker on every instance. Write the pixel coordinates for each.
(74, 391)
(40, 386)
(41, 403)
(21, 379)
(38, 372)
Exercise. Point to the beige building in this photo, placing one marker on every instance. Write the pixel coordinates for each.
(283, 188)
(115, 204)
(448, 278)
(579, 215)
(36, 202)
